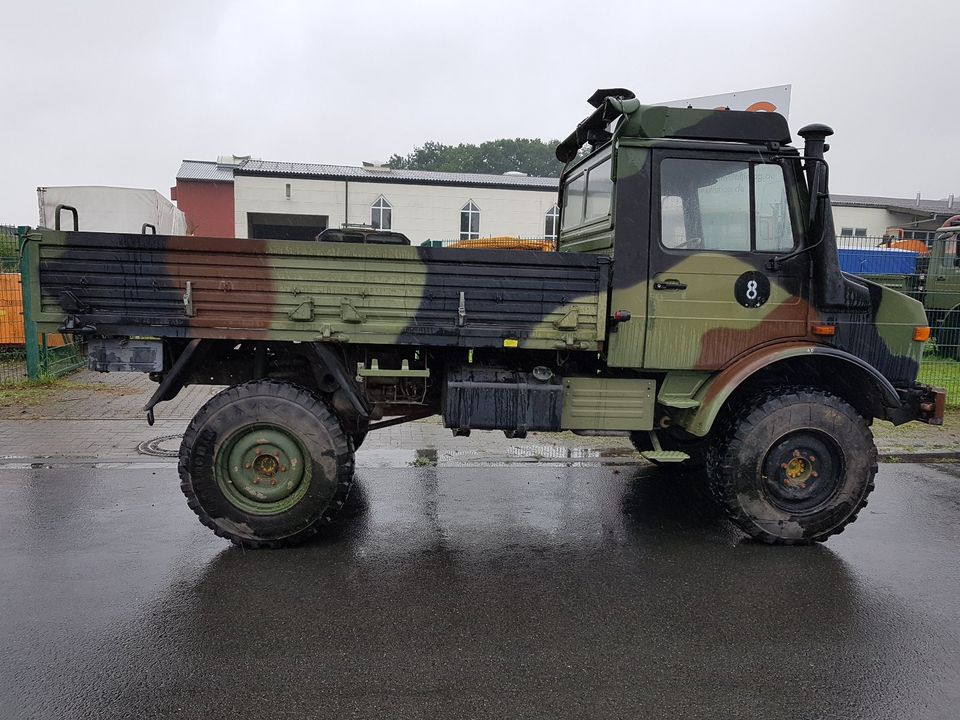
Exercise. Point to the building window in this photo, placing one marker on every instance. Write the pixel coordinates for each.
(381, 214)
(470, 221)
(853, 232)
(552, 224)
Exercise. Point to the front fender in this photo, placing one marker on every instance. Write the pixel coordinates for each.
(717, 390)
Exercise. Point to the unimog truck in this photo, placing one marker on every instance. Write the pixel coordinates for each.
(695, 303)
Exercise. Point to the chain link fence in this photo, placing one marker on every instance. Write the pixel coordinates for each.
(55, 354)
(13, 361)
(927, 270)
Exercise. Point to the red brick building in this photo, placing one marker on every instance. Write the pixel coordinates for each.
(204, 192)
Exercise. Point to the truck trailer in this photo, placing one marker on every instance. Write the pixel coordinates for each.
(696, 303)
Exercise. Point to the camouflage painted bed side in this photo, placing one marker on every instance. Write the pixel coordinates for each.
(264, 289)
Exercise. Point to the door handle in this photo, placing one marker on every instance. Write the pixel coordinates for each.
(669, 285)
(941, 277)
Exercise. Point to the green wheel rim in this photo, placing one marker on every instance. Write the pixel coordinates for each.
(263, 469)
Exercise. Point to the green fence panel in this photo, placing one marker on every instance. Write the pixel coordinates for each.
(13, 360)
(928, 269)
(25, 354)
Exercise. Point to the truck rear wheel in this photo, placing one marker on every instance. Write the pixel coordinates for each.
(794, 466)
(265, 464)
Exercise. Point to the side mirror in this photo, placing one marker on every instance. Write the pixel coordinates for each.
(818, 185)
(814, 194)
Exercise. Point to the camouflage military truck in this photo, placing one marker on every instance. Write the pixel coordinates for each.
(696, 303)
(934, 280)
(941, 289)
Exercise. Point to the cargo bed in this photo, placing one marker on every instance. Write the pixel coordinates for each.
(165, 286)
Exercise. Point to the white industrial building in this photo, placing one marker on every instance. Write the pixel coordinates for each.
(300, 199)
(866, 216)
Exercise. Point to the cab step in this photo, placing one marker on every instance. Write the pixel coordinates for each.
(665, 456)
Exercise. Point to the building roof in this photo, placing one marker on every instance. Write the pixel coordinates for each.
(212, 171)
(416, 177)
(904, 205)
(207, 170)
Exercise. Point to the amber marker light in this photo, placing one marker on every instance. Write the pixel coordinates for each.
(921, 334)
(825, 330)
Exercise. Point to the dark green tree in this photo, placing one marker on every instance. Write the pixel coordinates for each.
(495, 157)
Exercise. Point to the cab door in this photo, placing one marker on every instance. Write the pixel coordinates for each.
(943, 276)
(716, 221)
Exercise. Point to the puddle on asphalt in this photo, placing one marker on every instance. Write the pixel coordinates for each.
(55, 463)
(374, 457)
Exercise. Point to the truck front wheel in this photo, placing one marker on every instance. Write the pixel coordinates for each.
(265, 464)
(794, 466)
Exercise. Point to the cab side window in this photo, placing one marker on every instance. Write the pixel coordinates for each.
(771, 214)
(950, 255)
(706, 205)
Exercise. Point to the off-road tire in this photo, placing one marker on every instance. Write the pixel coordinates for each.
(288, 411)
(774, 435)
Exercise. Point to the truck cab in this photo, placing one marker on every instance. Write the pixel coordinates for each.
(942, 292)
(724, 257)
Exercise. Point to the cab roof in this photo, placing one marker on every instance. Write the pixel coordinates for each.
(659, 121)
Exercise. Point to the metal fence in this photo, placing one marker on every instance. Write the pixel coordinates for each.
(13, 366)
(928, 271)
(52, 355)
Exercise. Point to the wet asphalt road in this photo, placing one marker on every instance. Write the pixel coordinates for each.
(475, 592)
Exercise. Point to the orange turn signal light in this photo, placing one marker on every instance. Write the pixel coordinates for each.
(824, 329)
(921, 334)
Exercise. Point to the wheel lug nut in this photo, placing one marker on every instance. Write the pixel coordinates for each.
(256, 481)
(273, 481)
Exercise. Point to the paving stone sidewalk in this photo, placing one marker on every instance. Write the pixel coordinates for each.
(100, 416)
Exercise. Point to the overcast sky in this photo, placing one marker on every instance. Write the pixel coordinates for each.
(118, 92)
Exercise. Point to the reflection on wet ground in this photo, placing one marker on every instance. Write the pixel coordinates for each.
(522, 590)
(479, 456)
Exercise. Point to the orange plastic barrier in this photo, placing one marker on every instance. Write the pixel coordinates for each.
(505, 243)
(11, 313)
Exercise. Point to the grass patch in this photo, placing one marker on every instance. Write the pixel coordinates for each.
(30, 393)
(942, 372)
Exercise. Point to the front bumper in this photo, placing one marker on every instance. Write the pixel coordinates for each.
(921, 402)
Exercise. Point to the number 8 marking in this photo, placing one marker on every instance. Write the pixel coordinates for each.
(752, 290)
